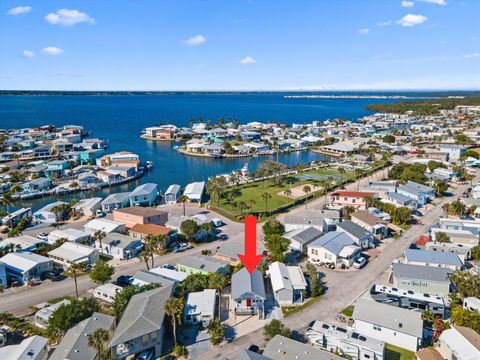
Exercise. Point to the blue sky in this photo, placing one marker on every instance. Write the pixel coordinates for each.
(239, 44)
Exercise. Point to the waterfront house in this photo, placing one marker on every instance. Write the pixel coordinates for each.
(3, 275)
(115, 201)
(108, 177)
(87, 180)
(37, 171)
(21, 243)
(74, 345)
(69, 254)
(122, 172)
(362, 237)
(105, 225)
(422, 194)
(248, 293)
(433, 258)
(357, 199)
(336, 248)
(107, 292)
(371, 223)
(25, 266)
(43, 315)
(119, 246)
(200, 307)
(458, 343)
(339, 148)
(349, 343)
(140, 231)
(202, 264)
(400, 200)
(301, 238)
(130, 216)
(56, 168)
(250, 136)
(393, 325)
(288, 283)
(256, 147)
(122, 159)
(142, 325)
(69, 234)
(284, 348)
(409, 299)
(31, 348)
(36, 186)
(425, 279)
(144, 195)
(172, 194)
(194, 191)
(87, 207)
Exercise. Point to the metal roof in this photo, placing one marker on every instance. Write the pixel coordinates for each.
(304, 236)
(286, 277)
(283, 348)
(432, 257)
(144, 189)
(333, 241)
(243, 282)
(353, 229)
(427, 273)
(203, 262)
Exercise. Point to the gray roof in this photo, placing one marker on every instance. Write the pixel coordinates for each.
(353, 229)
(427, 273)
(115, 198)
(243, 282)
(389, 316)
(74, 345)
(173, 189)
(432, 257)
(39, 181)
(415, 188)
(399, 198)
(203, 262)
(306, 236)
(333, 241)
(144, 314)
(232, 249)
(144, 189)
(151, 278)
(311, 217)
(282, 348)
(118, 240)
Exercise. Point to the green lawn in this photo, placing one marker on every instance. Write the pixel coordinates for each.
(291, 310)
(253, 191)
(396, 353)
(348, 311)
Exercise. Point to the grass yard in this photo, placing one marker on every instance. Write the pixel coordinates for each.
(348, 311)
(253, 191)
(291, 310)
(396, 353)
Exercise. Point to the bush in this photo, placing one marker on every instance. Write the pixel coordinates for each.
(276, 327)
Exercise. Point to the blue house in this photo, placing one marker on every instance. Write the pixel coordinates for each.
(144, 195)
(172, 194)
(57, 167)
(420, 193)
(36, 185)
(116, 201)
(250, 136)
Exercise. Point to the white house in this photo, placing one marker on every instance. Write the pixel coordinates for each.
(71, 253)
(459, 343)
(301, 238)
(169, 274)
(70, 234)
(288, 283)
(391, 324)
(43, 315)
(248, 293)
(21, 243)
(433, 258)
(31, 348)
(119, 246)
(87, 207)
(107, 292)
(46, 215)
(200, 307)
(25, 266)
(334, 247)
(471, 303)
(194, 191)
(105, 225)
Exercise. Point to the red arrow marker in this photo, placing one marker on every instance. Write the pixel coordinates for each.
(250, 259)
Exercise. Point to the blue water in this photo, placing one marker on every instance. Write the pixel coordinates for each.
(119, 119)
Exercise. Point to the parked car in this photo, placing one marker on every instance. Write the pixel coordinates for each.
(50, 275)
(360, 262)
(217, 222)
(99, 213)
(145, 355)
(124, 280)
(182, 247)
(221, 237)
(168, 266)
(315, 261)
(4, 229)
(42, 236)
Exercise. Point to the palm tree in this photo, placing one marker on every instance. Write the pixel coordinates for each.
(307, 190)
(99, 235)
(97, 340)
(342, 172)
(218, 282)
(288, 193)
(251, 203)
(183, 199)
(57, 210)
(145, 256)
(265, 196)
(74, 268)
(174, 309)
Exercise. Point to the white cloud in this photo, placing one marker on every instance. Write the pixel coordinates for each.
(247, 60)
(411, 20)
(474, 55)
(67, 17)
(19, 10)
(407, 4)
(51, 50)
(28, 53)
(384, 23)
(364, 31)
(438, 2)
(195, 40)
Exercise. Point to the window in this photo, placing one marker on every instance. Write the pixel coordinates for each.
(145, 338)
